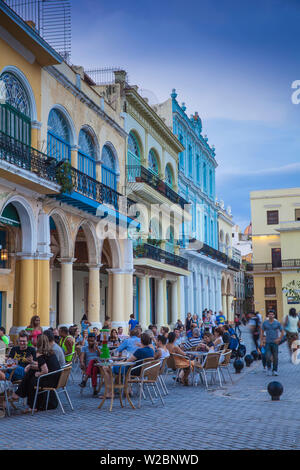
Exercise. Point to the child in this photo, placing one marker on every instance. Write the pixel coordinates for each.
(263, 352)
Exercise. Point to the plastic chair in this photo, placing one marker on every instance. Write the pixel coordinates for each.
(225, 364)
(211, 365)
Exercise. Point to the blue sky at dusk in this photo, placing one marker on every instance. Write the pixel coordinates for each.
(232, 61)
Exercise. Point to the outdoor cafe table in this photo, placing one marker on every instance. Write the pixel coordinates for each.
(110, 363)
(4, 368)
(198, 354)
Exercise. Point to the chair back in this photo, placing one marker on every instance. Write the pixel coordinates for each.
(227, 357)
(180, 361)
(64, 377)
(171, 362)
(163, 365)
(151, 370)
(212, 361)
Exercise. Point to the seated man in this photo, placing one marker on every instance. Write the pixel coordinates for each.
(144, 352)
(130, 344)
(24, 354)
(56, 348)
(89, 355)
(121, 334)
(207, 343)
(178, 339)
(192, 342)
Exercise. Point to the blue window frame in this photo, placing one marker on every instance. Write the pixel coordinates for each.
(133, 157)
(152, 162)
(86, 154)
(108, 170)
(204, 177)
(181, 155)
(198, 168)
(210, 182)
(169, 176)
(58, 138)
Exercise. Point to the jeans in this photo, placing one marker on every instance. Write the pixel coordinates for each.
(237, 328)
(272, 350)
(18, 374)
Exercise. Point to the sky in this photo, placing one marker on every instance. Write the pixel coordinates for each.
(232, 61)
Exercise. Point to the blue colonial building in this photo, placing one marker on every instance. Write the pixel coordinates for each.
(196, 183)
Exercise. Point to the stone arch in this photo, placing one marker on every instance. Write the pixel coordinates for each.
(114, 257)
(28, 223)
(91, 241)
(24, 81)
(64, 233)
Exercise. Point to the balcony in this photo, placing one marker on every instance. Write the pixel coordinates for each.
(270, 290)
(219, 256)
(27, 166)
(140, 174)
(147, 250)
(290, 263)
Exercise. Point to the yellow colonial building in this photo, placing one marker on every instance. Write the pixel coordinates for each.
(276, 247)
(62, 172)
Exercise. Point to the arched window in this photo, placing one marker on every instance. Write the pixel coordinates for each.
(210, 182)
(58, 138)
(86, 154)
(154, 230)
(14, 108)
(181, 155)
(133, 158)
(152, 162)
(109, 177)
(169, 176)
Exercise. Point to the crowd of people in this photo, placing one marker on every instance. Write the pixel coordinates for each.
(38, 352)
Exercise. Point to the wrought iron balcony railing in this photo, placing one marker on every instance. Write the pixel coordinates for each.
(290, 263)
(219, 256)
(89, 187)
(140, 174)
(146, 250)
(23, 156)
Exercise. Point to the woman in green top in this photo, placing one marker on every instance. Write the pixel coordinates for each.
(3, 337)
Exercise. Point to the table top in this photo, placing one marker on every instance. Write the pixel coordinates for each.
(115, 363)
(197, 353)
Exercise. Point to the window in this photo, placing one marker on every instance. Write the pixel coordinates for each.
(108, 169)
(14, 109)
(272, 217)
(271, 305)
(204, 177)
(169, 176)
(210, 182)
(152, 162)
(181, 155)
(86, 154)
(58, 138)
(297, 214)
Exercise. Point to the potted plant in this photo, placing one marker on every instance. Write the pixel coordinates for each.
(64, 176)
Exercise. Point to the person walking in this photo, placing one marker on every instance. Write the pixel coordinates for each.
(255, 326)
(274, 333)
(291, 325)
(237, 323)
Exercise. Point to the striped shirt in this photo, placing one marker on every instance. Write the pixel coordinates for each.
(191, 343)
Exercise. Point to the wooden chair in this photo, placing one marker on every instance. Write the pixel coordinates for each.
(162, 374)
(60, 388)
(225, 364)
(176, 362)
(211, 365)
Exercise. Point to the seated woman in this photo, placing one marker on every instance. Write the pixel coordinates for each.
(46, 362)
(162, 351)
(218, 341)
(144, 352)
(114, 338)
(181, 363)
(207, 343)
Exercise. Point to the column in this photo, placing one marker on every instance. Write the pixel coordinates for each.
(94, 295)
(199, 295)
(224, 305)
(190, 295)
(160, 303)
(35, 134)
(219, 293)
(142, 302)
(27, 306)
(120, 297)
(181, 296)
(74, 156)
(43, 290)
(66, 317)
(174, 303)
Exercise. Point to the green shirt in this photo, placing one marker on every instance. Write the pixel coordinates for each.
(5, 339)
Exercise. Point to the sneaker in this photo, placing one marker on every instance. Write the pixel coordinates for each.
(82, 384)
(274, 372)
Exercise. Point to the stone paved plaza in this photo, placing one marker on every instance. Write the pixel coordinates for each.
(239, 416)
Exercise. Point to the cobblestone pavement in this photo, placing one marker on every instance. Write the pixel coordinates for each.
(239, 416)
